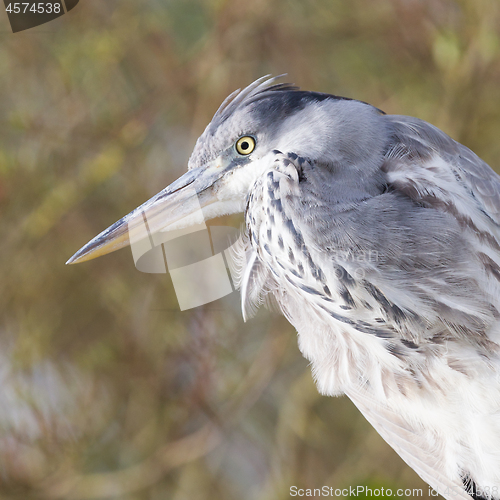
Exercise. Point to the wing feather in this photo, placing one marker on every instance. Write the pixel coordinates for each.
(423, 458)
(430, 167)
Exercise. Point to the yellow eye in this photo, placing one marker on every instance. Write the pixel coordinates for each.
(245, 145)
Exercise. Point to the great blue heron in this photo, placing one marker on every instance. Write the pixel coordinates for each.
(379, 236)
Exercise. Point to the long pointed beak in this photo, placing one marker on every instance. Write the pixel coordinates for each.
(177, 206)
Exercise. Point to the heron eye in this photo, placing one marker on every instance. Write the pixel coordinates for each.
(245, 145)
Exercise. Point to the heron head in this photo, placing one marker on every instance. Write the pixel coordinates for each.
(237, 146)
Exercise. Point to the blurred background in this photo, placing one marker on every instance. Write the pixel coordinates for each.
(107, 389)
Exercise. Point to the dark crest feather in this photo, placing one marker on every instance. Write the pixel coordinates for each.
(255, 90)
(259, 89)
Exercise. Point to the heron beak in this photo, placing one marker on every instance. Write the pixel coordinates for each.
(177, 206)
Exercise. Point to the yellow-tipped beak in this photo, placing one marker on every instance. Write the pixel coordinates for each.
(177, 206)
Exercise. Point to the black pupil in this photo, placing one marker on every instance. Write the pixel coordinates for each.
(245, 145)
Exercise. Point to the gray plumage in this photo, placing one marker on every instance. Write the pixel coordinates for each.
(379, 237)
